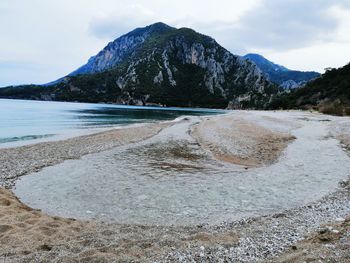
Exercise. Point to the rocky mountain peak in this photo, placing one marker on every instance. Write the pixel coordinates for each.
(116, 51)
(159, 64)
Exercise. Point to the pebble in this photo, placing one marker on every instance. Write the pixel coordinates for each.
(264, 237)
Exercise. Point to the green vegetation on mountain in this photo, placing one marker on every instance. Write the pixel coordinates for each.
(160, 65)
(329, 94)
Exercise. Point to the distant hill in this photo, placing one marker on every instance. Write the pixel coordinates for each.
(329, 93)
(162, 65)
(282, 76)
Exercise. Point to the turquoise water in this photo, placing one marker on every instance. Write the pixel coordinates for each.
(23, 121)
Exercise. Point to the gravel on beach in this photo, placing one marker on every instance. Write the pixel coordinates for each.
(19, 161)
(315, 232)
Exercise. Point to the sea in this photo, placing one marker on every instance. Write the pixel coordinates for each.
(27, 121)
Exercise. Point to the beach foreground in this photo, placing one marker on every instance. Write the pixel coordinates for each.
(241, 141)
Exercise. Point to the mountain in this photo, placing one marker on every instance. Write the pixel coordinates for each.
(162, 65)
(329, 93)
(282, 76)
(118, 51)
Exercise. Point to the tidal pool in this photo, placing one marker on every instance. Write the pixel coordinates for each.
(168, 179)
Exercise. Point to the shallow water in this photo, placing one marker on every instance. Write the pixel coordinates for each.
(169, 179)
(23, 121)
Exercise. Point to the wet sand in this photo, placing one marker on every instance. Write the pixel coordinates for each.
(30, 235)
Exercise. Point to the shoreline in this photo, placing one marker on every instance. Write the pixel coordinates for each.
(78, 129)
(232, 241)
(34, 157)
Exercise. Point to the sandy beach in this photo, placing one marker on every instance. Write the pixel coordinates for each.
(299, 159)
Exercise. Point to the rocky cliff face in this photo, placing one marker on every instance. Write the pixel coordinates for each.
(118, 50)
(215, 71)
(162, 65)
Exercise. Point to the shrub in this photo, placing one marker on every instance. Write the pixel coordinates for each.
(333, 108)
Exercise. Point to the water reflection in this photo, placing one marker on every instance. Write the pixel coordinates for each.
(30, 121)
(128, 115)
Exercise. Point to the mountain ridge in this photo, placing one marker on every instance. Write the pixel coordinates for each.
(280, 75)
(162, 65)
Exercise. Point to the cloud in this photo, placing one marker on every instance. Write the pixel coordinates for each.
(23, 65)
(284, 25)
(75, 30)
(110, 26)
(268, 25)
(10, 70)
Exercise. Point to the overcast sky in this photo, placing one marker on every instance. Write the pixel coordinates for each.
(42, 40)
